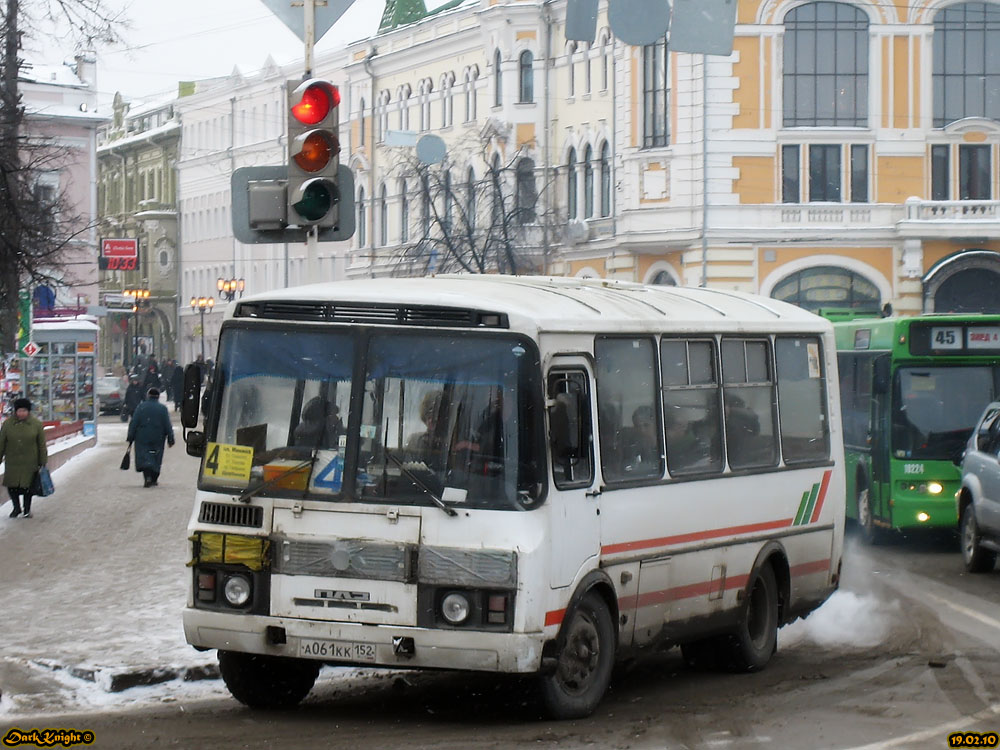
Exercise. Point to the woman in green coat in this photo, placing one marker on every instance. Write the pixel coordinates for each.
(22, 446)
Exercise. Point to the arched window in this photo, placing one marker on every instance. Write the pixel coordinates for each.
(663, 278)
(425, 206)
(828, 286)
(825, 80)
(497, 80)
(404, 213)
(526, 77)
(588, 182)
(966, 67)
(587, 74)
(605, 62)
(362, 118)
(448, 202)
(571, 187)
(497, 210)
(362, 238)
(655, 95)
(470, 200)
(527, 193)
(383, 216)
(571, 68)
(605, 180)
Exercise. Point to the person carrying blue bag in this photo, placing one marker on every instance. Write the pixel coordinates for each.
(149, 428)
(22, 447)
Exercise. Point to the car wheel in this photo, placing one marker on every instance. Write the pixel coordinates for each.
(751, 647)
(976, 558)
(267, 682)
(586, 653)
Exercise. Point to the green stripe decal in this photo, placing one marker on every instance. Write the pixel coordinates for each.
(812, 503)
(802, 509)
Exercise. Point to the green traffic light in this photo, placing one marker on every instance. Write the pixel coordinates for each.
(315, 203)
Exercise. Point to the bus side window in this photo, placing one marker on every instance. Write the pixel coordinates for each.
(571, 430)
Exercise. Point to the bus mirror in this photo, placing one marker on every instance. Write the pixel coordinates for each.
(564, 418)
(192, 396)
(194, 442)
(880, 378)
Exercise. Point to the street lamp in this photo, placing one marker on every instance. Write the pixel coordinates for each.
(138, 297)
(202, 305)
(229, 287)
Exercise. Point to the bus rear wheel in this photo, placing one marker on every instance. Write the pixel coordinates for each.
(756, 639)
(584, 661)
(977, 559)
(268, 682)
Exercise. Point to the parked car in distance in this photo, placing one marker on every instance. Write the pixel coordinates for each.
(110, 394)
(979, 498)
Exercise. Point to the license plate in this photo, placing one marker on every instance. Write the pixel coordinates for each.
(337, 650)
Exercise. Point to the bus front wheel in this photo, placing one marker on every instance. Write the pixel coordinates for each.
(756, 639)
(977, 559)
(866, 519)
(269, 682)
(584, 661)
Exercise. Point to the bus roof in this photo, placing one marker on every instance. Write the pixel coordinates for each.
(884, 333)
(531, 303)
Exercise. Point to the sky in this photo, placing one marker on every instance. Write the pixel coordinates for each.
(182, 40)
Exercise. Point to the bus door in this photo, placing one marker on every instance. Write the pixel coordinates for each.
(881, 438)
(574, 505)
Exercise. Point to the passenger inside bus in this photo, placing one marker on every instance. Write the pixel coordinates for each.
(320, 426)
(640, 445)
(429, 446)
(684, 449)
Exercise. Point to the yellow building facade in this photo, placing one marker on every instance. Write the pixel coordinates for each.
(846, 154)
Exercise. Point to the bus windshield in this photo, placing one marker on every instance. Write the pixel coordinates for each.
(935, 409)
(441, 419)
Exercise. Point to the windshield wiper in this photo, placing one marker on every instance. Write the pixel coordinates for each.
(422, 485)
(247, 494)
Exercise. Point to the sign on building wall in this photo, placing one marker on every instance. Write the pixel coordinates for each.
(119, 255)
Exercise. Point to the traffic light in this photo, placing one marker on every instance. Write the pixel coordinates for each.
(313, 195)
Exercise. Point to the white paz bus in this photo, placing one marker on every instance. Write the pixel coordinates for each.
(510, 474)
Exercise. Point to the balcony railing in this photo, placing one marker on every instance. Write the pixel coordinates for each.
(921, 210)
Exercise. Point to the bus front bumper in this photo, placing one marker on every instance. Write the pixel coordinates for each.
(923, 511)
(365, 645)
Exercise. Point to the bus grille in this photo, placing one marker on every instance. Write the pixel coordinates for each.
(364, 314)
(345, 558)
(224, 514)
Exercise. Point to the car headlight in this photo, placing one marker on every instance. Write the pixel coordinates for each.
(455, 608)
(237, 590)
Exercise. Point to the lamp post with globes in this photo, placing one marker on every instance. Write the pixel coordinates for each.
(140, 299)
(228, 288)
(202, 305)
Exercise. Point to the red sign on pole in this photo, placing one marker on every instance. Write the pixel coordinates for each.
(120, 254)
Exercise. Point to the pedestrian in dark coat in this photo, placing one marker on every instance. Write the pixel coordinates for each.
(177, 386)
(149, 428)
(133, 397)
(22, 445)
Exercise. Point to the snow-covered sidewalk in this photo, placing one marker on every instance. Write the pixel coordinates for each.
(94, 584)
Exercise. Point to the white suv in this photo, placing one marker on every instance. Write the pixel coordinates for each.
(979, 499)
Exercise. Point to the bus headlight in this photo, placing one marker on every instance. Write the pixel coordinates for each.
(935, 488)
(237, 590)
(455, 608)
(923, 517)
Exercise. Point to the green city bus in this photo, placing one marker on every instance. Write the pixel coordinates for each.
(911, 390)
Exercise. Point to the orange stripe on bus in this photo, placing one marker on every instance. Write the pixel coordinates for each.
(696, 536)
(822, 495)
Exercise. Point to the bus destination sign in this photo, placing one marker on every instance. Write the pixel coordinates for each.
(955, 339)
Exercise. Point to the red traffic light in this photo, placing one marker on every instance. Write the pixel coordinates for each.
(316, 99)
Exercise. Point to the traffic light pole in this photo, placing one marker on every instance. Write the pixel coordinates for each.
(309, 37)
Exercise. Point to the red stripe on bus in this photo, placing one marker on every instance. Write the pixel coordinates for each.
(806, 569)
(822, 494)
(696, 536)
(555, 617)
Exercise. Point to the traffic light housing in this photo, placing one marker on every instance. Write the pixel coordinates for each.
(313, 192)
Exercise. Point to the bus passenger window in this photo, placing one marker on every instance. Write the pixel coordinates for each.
(692, 418)
(571, 430)
(805, 434)
(628, 409)
(748, 398)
